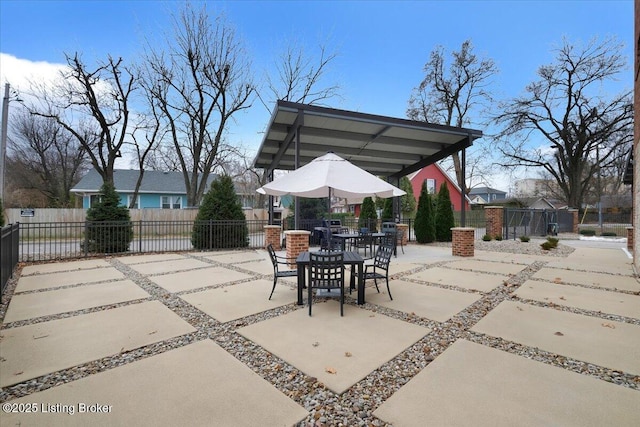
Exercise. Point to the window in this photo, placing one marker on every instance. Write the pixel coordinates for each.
(171, 202)
(431, 185)
(177, 203)
(136, 205)
(94, 199)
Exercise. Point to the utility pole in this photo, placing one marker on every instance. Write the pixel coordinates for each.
(3, 138)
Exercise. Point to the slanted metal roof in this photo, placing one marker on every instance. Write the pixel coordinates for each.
(124, 181)
(384, 146)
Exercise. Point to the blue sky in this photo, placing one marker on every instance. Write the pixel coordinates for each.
(382, 45)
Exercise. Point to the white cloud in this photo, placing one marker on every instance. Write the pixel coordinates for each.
(19, 73)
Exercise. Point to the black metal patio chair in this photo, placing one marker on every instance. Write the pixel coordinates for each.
(326, 271)
(380, 264)
(277, 262)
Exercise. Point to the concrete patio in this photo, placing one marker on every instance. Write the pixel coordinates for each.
(191, 339)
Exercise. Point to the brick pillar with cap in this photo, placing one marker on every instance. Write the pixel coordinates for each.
(297, 242)
(272, 236)
(463, 241)
(494, 217)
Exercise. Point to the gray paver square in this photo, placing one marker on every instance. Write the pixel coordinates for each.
(262, 266)
(65, 278)
(579, 297)
(194, 279)
(63, 266)
(509, 257)
(169, 266)
(234, 257)
(487, 266)
(29, 306)
(241, 300)
(351, 346)
(613, 261)
(196, 385)
(141, 259)
(470, 384)
(606, 343)
(601, 280)
(482, 282)
(425, 301)
(70, 341)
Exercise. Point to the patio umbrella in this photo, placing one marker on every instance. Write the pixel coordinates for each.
(330, 175)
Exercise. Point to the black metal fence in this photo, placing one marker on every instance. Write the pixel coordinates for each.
(536, 222)
(63, 240)
(9, 242)
(609, 223)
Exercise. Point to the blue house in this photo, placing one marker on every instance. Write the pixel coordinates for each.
(160, 190)
(481, 195)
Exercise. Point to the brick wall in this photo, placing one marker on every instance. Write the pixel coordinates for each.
(494, 217)
(272, 236)
(576, 220)
(297, 241)
(463, 241)
(404, 228)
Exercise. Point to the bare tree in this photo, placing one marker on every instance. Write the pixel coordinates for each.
(93, 106)
(565, 124)
(451, 96)
(198, 85)
(45, 157)
(299, 77)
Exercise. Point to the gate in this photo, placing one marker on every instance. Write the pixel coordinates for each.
(536, 222)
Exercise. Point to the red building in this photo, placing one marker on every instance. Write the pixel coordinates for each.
(434, 176)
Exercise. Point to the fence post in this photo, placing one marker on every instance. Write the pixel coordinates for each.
(86, 238)
(140, 236)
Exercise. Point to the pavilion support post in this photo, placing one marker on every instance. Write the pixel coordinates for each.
(270, 198)
(463, 187)
(297, 161)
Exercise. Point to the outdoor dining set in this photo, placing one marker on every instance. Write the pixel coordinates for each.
(324, 270)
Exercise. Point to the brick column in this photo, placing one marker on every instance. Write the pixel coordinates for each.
(297, 241)
(494, 217)
(630, 239)
(463, 241)
(576, 220)
(404, 228)
(272, 236)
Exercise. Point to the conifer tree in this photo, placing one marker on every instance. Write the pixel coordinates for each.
(444, 215)
(220, 222)
(387, 211)
(109, 227)
(368, 216)
(425, 226)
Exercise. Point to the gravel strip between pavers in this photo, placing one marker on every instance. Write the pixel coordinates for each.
(354, 407)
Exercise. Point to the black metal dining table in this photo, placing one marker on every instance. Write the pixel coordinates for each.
(350, 236)
(354, 259)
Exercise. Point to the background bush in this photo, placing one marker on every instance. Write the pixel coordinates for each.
(1, 214)
(368, 216)
(588, 232)
(444, 215)
(109, 228)
(220, 222)
(425, 226)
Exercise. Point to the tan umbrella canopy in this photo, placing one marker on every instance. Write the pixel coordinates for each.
(330, 175)
(327, 176)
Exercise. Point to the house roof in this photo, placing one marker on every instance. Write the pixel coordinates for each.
(447, 177)
(125, 180)
(485, 190)
(384, 146)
